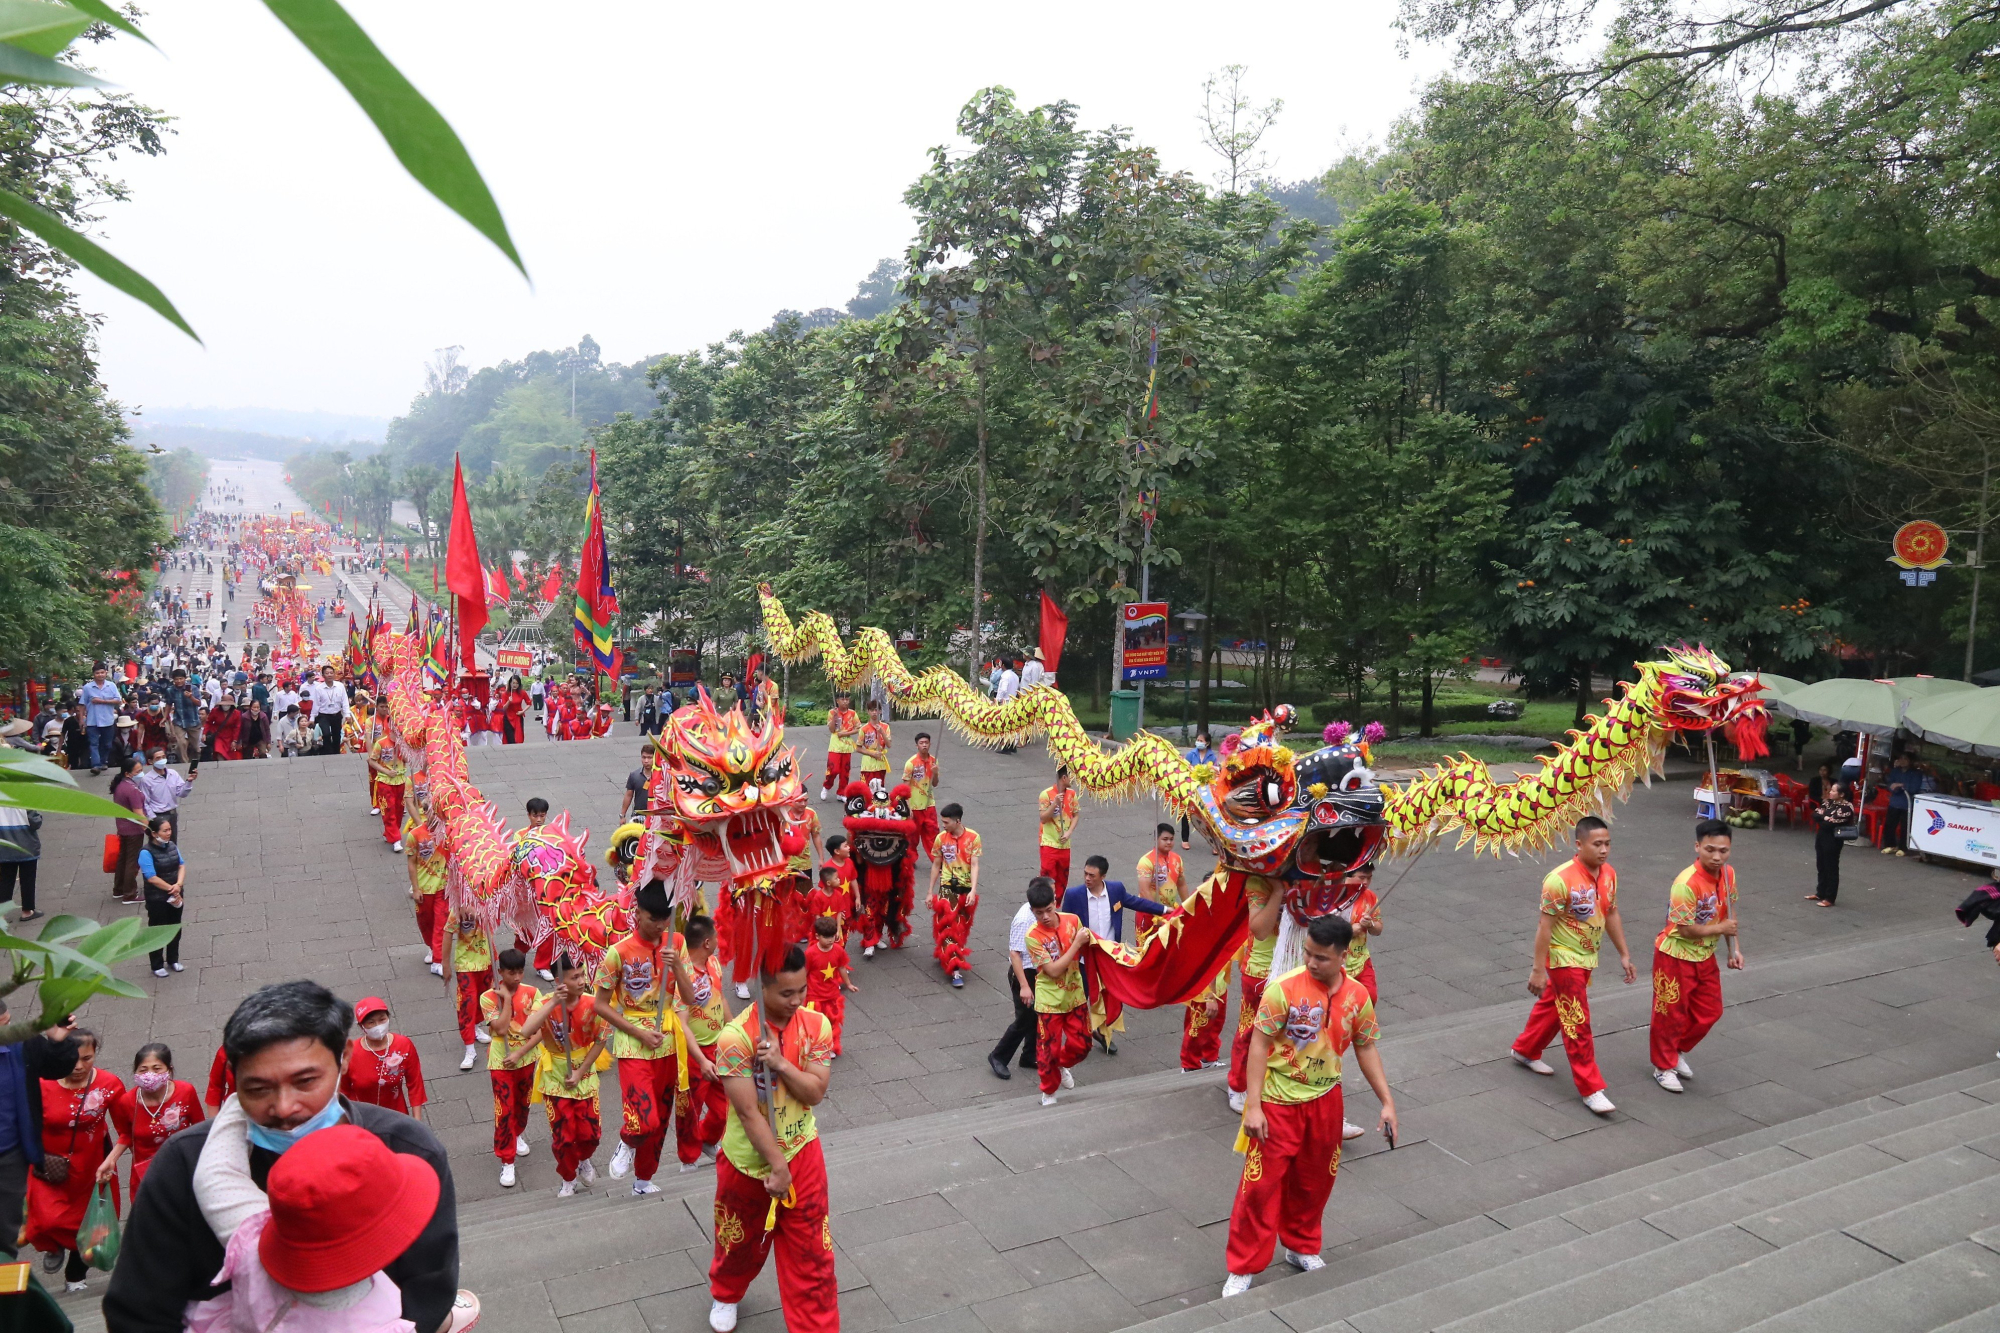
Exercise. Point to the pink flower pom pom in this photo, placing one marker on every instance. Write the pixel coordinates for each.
(1373, 733)
(1337, 732)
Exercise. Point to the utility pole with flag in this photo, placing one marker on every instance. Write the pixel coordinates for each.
(596, 602)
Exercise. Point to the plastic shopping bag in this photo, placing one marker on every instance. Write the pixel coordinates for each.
(97, 1238)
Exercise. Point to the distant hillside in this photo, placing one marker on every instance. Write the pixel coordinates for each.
(326, 427)
(214, 442)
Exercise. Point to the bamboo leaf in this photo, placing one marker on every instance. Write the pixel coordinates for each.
(104, 13)
(19, 766)
(93, 257)
(19, 66)
(39, 27)
(422, 140)
(49, 798)
(62, 928)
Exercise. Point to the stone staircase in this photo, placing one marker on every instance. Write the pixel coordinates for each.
(1879, 1216)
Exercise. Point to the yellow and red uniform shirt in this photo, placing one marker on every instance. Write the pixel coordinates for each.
(1310, 1027)
(1697, 899)
(1161, 878)
(1575, 902)
(709, 1014)
(471, 952)
(954, 856)
(801, 861)
(807, 1039)
(1044, 947)
(430, 866)
(841, 729)
(567, 1036)
(1256, 955)
(875, 747)
(1353, 911)
(502, 1047)
(638, 979)
(1055, 832)
(920, 775)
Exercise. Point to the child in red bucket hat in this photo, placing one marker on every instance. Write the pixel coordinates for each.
(342, 1206)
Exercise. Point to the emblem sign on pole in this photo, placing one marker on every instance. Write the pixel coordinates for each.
(1918, 549)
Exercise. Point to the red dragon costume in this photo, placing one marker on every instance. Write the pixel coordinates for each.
(882, 835)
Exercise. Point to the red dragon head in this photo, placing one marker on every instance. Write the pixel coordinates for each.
(734, 792)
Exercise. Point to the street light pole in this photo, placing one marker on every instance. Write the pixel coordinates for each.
(1978, 559)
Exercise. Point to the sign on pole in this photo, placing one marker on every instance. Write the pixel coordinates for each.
(1144, 642)
(1919, 548)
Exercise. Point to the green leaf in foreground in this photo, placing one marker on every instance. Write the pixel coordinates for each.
(19, 66)
(420, 137)
(39, 26)
(93, 257)
(52, 799)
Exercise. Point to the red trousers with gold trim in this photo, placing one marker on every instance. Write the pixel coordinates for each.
(837, 768)
(1055, 864)
(510, 1107)
(808, 1291)
(951, 928)
(1366, 976)
(699, 1113)
(927, 829)
(1564, 1007)
(574, 1131)
(646, 1091)
(389, 795)
(1687, 1001)
(1287, 1178)
(1201, 1034)
(1239, 1049)
(429, 912)
(470, 986)
(1061, 1042)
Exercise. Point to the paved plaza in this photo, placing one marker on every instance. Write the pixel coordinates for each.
(959, 1202)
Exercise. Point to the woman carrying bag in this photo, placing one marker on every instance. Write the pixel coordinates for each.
(165, 877)
(75, 1135)
(1835, 817)
(126, 791)
(20, 854)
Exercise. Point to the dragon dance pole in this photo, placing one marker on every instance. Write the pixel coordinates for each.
(763, 1029)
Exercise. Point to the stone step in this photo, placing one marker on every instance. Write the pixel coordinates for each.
(1809, 1177)
(1984, 1321)
(1916, 1297)
(1893, 1119)
(1918, 1228)
(1597, 1291)
(1731, 1301)
(1682, 1187)
(1857, 1201)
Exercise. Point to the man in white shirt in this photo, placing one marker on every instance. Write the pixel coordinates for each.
(329, 700)
(283, 700)
(212, 689)
(1032, 671)
(1008, 686)
(1020, 1034)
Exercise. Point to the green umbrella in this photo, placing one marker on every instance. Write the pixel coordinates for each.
(1847, 704)
(1962, 720)
(1931, 687)
(1776, 686)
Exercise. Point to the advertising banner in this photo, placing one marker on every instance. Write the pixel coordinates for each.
(516, 659)
(1958, 829)
(1145, 629)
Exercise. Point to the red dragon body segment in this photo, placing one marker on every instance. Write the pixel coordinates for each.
(563, 888)
(882, 836)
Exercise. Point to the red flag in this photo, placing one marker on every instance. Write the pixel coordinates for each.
(406, 559)
(1055, 628)
(520, 578)
(552, 585)
(463, 573)
(497, 591)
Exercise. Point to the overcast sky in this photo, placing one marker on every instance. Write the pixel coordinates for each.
(670, 172)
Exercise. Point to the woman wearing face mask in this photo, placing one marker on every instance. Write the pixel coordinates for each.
(382, 1066)
(75, 1113)
(155, 1108)
(164, 874)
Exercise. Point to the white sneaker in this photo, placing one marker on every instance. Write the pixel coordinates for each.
(506, 1175)
(621, 1161)
(690, 1166)
(520, 1146)
(1305, 1263)
(868, 952)
(159, 971)
(176, 967)
(396, 846)
(742, 990)
(429, 958)
(568, 1190)
(1667, 1079)
(1599, 1103)
(642, 1187)
(437, 969)
(76, 1286)
(470, 1053)
(1537, 1066)
(374, 809)
(1348, 1130)
(1067, 1080)
(545, 974)
(480, 1032)
(1681, 1068)
(1236, 1284)
(586, 1171)
(1048, 1099)
(1236, 1102)
(721, 1316)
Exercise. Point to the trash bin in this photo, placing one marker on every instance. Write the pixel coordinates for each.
(1124, 713)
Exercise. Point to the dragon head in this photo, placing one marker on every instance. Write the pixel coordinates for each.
(1344, 826)
(734, 790)
(878, 822)
(1690, 690)
(1246, 799)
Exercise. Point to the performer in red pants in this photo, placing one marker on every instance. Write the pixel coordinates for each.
(954, 856)
(510, 1060)
(1579, 907)
(1266, 898)
(1687, 986)
(700, 1108)
(770, 1179)
(392, 778)
(633, 984)
(1292, 1117)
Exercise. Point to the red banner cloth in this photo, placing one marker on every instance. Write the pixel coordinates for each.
(463, 573)
(1186, 949)
(1055, 628)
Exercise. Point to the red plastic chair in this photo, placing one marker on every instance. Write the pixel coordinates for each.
(1872, 816)
(1795, 799)
(1986, 791)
